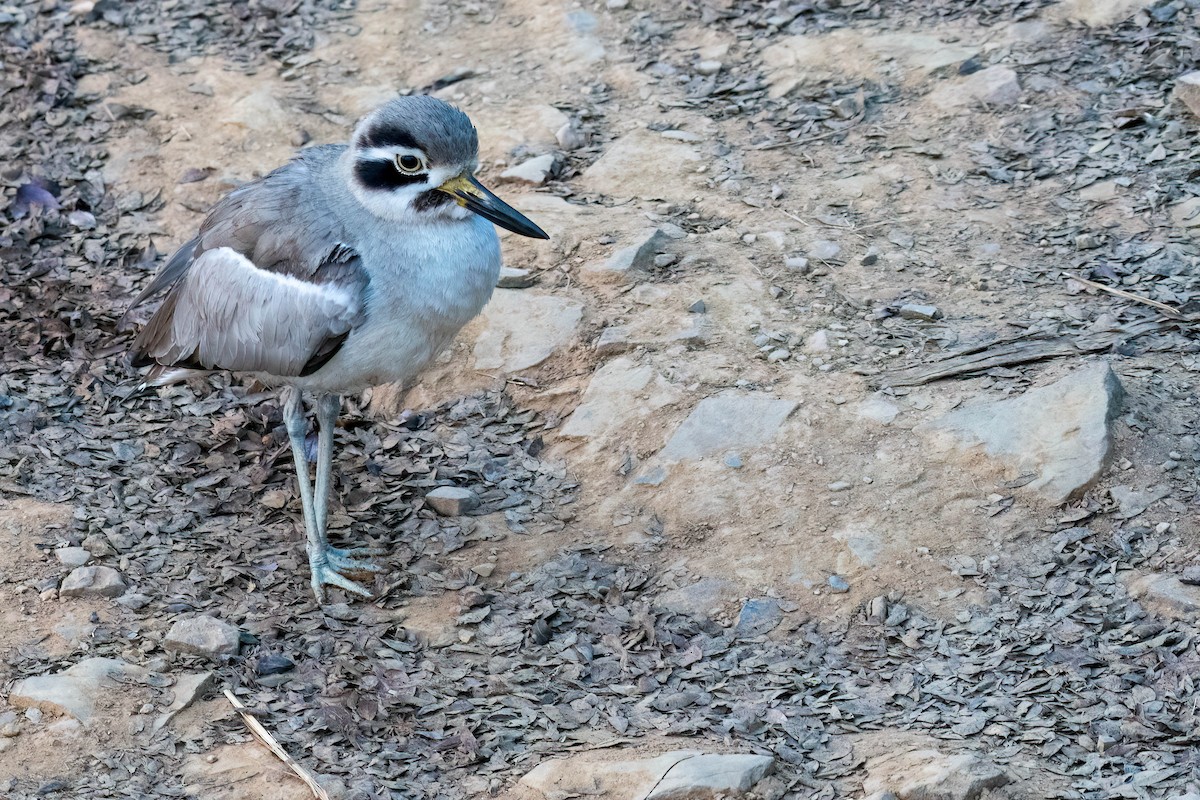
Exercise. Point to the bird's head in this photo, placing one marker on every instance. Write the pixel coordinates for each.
(414, 159)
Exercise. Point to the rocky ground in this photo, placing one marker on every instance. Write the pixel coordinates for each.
(839, 443)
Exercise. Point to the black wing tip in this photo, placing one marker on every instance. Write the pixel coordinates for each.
(328, 349)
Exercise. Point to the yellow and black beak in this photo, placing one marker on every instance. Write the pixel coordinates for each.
(471, 194)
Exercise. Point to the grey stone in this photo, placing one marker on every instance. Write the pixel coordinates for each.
(709, 67)
(840, 486)
(758, 616)
(452, 501)
(732, 460)
(620, 393)
(1060, 432)
(72, 556)
(74, 691)
(1187, 91)
(189, 687)
(712, 775)
(98, 545)
(779, 354)
(260, 111)
(533, 171)
(634, 258)
(698, 307)
(680, 775)
(514, 278)
(569, 137)
(932, 775)
(134, 600)
(644, 164)
(919, 311)
(614, 340)
(731, 420)
(651, 477)
(1186, 214)
(665, 259)
(521, 330)
(1097, 13)
(878, 409)
(995, 86)
(809, 59)
(202, 636)
(682, 136)
(1166, 595)
(704, 598)
(92, 582)
(838, 584)
(796, 264)
(826, 250)
(1130, 502)
(817, 342)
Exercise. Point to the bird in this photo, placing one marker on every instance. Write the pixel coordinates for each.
(351, 266)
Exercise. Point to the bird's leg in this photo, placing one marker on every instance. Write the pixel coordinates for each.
(328, 563)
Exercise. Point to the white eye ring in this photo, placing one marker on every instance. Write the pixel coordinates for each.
(409, 164)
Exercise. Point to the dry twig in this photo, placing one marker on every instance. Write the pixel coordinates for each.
(275, 747)
(1163, 307)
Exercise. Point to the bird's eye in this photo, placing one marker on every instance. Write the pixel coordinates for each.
(408, 163)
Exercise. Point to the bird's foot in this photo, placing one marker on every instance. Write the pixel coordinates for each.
(329, 565)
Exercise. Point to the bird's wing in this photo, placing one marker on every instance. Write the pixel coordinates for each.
(227, 313)
(280, 222)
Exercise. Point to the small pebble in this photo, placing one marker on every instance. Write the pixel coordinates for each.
(452, 501)
(733, 461)
(698, 307)
(918, 311)
(779, 354)
(838, 585)
(709, 67)
(665, 259)
(514, 278)
(72, 556)
(840, 486)
(825, 250)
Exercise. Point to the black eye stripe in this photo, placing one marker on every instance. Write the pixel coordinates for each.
(388, 138)
(383, 175)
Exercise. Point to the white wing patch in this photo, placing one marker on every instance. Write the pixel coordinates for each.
(229, 314)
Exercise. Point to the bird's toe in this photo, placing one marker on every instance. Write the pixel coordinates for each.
(327, 576)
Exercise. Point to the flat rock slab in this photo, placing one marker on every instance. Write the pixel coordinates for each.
(1166, 595)
(1187, 91)
(92, 582)
(644, 164)
(671, 776)
(203, 636)
(452, 501)
(1059, 432)
(189, 687)
(728, 421)
(932, 775)
(995, 86)
(522, 330)
(619, 393)
(74, 691)
(1096, 13)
